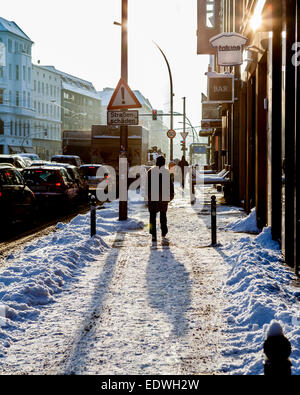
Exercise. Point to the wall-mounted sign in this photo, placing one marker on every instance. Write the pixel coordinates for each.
(209, 24)
(122, 117)
(229, 48)
(220, 88)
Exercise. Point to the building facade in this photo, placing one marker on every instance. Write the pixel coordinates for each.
(46, 97)
(80, 105)
(259, 128)
(16, 111)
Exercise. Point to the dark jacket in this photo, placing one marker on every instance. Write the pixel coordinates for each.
(160, 188)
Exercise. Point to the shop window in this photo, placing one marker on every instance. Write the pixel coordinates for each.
(1, 126)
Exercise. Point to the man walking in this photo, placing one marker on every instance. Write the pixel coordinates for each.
(183, 164)
(160, 189)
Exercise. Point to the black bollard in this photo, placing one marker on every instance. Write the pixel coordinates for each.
(277, 349)
(93, 215)
(213, 221)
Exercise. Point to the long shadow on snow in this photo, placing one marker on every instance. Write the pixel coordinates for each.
(169, 288)
(79, 353)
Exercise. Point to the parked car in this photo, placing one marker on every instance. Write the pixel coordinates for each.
(77, 178)
(16, 160)
(89, 173)
(51, 184)
(71, 159)
(17, 201)
(32, 157)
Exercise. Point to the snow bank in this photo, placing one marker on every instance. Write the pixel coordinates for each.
(258, 288)
(245, 225)
(35, 275)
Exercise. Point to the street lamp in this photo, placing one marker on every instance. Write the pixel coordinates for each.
(43, 130)
(171, 99)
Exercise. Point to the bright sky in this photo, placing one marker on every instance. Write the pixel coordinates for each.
(79, 37)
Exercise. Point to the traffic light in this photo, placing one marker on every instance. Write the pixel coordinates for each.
(154, 115)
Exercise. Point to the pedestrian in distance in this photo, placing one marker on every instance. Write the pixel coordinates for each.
(160, 191)
(183, 163)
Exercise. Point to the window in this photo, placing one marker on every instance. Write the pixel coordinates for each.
(39, 86)
(1, 96)
(29, 74)
(11, 128)
(28, 100)
(24, 73)
(1, 126)
(10, 72)
(24, 99)
(1, 71)
(17, 98)
(43, 88)
(17, 72)
(16, 47)
(9, 45)
(34, 85)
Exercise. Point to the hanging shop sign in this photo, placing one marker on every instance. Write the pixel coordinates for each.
(229, 47)
(220, 88)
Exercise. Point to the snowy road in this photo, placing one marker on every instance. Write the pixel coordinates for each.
(118, 305)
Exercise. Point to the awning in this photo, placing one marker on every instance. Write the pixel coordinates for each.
(14, 149)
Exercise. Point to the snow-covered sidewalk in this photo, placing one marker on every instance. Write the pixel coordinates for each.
(116, 304)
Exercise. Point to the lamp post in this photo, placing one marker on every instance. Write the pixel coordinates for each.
(171, 99)
(43, 130)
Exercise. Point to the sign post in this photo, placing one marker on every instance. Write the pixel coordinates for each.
(122, 99)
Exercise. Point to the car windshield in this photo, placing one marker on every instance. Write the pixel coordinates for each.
(42, 176)
(89, 171)
(10, 177)
(6, 160)
(71, 161)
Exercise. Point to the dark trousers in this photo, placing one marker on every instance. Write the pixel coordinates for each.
(163, 222)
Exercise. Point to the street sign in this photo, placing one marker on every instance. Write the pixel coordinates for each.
(171, 134)
(123, 98)
(123, 117)
(184, 135)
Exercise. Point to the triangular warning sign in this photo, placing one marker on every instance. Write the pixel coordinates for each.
(123, 97)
